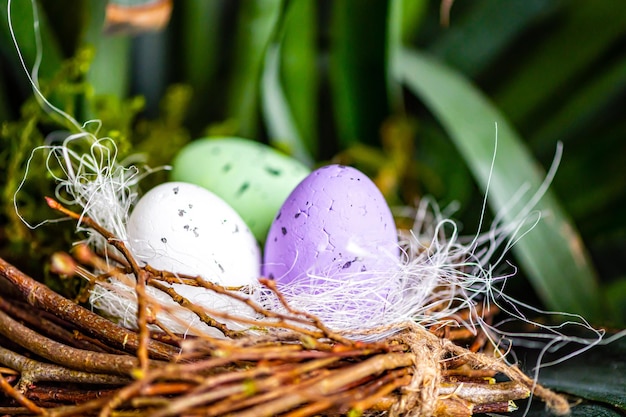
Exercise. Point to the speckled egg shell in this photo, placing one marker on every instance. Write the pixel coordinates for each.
(253, 178)
(183, 228)
(335, 222)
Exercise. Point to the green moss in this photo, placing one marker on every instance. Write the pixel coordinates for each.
(117, 118)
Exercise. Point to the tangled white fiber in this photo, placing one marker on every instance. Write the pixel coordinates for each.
(87, 174)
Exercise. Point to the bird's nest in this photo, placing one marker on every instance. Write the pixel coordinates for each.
(60, 359)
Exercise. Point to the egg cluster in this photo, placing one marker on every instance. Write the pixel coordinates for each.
(320, 230)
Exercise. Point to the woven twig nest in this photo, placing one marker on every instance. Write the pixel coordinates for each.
(61, 359)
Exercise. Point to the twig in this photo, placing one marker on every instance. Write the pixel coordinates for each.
(142, 319)
(20, 398)
(34, 371)
(40, 296)
(282, 320)
(271, 284)
(62, 354)
(72, 395)
(331, 383)
(198, 310)
(140, 288)
(47, 327)
(486, 393)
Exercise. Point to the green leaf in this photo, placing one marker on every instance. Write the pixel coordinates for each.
(581, 410)
(412, 13)
(255, 29)
(109, 72)
(299, 68)
(552, 254)
(289, 84)
(281, 124)
(22, 19)
(616, 298)
(404, 17)
(358, 69)
(583, 32)
(584, 105)
(470, 44)
(596, 375)
(200, 54)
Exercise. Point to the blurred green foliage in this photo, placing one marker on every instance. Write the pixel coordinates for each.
(321, 80)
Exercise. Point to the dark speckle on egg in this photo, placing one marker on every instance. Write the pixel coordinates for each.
(175, 190)
(283, 230)
(181, 212)
(278, 215)
(242, 189)
(164, 240)
(190, 206)
(297, 215)
(272, 171)
(227, 167)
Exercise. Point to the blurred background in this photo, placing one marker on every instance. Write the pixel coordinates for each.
(409, 91)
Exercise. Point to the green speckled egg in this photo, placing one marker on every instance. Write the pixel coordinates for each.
(253, 178)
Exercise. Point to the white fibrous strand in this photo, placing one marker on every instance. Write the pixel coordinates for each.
(88, 175)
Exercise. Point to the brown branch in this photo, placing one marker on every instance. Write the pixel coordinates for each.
(486, 393)
(39, 296)
(20, 398)
(20, 312)
(143, 339)
(142, 319)
(55, 394)
(501, 407)
(282, 320)
(64, 355)
(86, 408)
(557, 403)
(34, 371)
(197, 310)
(232, 387)
(319, 330)
(331, 383)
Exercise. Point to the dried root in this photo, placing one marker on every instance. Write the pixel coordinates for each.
(60, 359)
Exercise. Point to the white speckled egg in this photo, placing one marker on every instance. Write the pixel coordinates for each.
(184, 228)
(335, 223)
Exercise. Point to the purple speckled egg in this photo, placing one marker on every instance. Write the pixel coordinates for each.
(334, 223)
